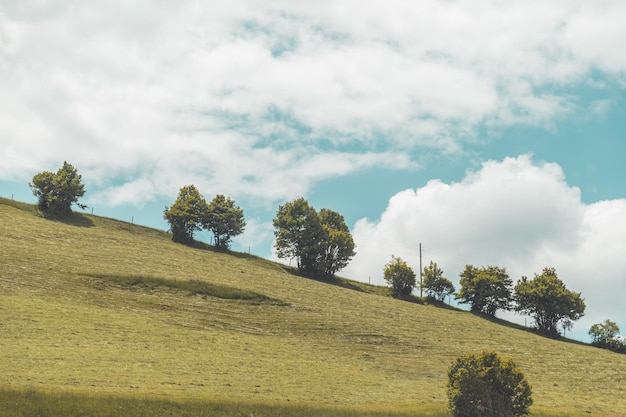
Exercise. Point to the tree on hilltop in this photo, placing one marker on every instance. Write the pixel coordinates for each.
(338, 247)
(606, 335)
(548, 301)
(224, 219)
(187, 214)
(400, 277)
(299, 234)
(486, 289)
(434, 283)
(320, 242)
(56, 192)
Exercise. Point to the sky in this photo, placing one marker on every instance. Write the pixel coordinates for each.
(493, 133)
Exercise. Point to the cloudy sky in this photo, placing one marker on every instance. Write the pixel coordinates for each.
(491, 132)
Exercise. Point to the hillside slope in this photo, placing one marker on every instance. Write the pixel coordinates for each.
(94, 304)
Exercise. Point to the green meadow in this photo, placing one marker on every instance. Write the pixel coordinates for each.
(101, 318)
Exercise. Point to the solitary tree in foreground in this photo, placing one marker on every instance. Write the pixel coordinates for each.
(484, 385)
(56, 192)
(224, 219)
(187, 214)
(546, 299)
(400, 277)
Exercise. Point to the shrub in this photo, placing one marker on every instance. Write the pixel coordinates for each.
(485, 385)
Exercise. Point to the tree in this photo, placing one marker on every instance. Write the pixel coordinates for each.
(606, 335)
(56, 192)
(338, 248)
(187, 214)
(320, 242)
(485, 385)
(486, 289)
(224, 219)
(435, 284)
(400, 277)
(299, 234)
(546, 299)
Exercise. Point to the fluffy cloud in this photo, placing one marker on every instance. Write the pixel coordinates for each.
(241, 94)
(513, 213)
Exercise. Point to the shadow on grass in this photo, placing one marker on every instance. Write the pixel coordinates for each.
(196, 244)
(73, 219)
(439, 304)
(338, 282)
(192, 287)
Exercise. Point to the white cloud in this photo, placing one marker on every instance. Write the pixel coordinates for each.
(255, 237)
(513, 213)
(153, 94)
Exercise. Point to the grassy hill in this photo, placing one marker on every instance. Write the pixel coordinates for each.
(99, 308)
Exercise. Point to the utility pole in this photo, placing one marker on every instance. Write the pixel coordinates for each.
(421, 295)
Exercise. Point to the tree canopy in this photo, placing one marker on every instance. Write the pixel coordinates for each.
(191, 213)
(299, 234)
(606, 335)
(320, 242)
(224, 219)
(56, 192)
(400, 277)
(485, 385)
(548, 301)
(486, 289)
(338, 246)
(434, 283)
(187, 215)
(603, 333)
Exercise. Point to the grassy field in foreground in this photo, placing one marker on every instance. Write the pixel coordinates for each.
(97, 308)
(32, 403)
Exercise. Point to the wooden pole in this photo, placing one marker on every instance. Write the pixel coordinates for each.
(421, 291)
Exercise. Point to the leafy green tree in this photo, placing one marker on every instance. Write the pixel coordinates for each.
(224, 219)
(606, 335)
(299, 234)
(320, 242)
(486, 289)
(548, 301)
(435, 284)
(484, 385)
(338, 248)
(400, 277)
(187, 215)
(56, 192)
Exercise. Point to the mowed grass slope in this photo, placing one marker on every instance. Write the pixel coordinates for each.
(94, 305)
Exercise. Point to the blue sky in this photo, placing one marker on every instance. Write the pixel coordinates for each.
(491, 133)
